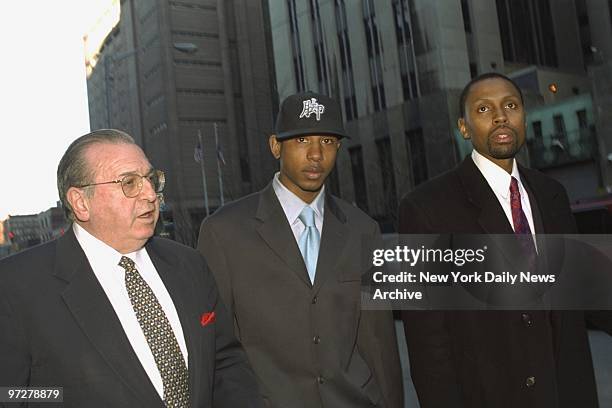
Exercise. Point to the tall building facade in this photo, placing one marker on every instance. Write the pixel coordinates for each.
(169, 70)
(398, 66)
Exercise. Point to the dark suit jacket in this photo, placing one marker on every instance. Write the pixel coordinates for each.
(309, 346)
(57, 328)
(485, 358)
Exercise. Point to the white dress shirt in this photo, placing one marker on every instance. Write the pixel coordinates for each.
(293, 206)
(499, 181)
(104, 260)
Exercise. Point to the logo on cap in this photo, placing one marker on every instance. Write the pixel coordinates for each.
(311, 106)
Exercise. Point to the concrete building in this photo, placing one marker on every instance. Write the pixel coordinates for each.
(24, 231)
(398, 66)
(170, 69)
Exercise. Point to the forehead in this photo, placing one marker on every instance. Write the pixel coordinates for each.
(316, 136)
(491, 88)
(113, 159)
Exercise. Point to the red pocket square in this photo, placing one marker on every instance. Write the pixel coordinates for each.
(207, 318)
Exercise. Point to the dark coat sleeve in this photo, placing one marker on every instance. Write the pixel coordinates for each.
(234, 381)
(380, 325)
(429, 343)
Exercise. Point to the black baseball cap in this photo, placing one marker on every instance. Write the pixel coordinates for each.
(309, 113)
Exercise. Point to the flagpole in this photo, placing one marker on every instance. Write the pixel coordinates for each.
(219, 165)
(203, 172)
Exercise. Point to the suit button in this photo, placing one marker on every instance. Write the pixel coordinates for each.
(526, 317)
(320, 380)
(530, 381)
(316, 339)
(314, 300)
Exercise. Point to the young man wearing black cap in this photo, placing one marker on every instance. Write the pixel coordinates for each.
(287, 263)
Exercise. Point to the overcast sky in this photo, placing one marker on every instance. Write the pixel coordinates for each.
(43, 96)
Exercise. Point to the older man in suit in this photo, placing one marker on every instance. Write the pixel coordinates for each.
(496, 358)
(288, 263)
(115, 317)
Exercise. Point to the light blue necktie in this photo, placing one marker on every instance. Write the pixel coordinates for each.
(309, 241)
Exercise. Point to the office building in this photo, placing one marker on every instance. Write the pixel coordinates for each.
(397, 67)
(168, 70)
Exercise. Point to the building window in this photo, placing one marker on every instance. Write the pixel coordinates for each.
(415, 143)
(387, 172)
(537, 129)
(465, 11)
(320, 48)
(346, 62)
(582, 119)
(298, 65)
(374, 55)
(405, 49)
(527, 33)
(473, 70)
(361, 193)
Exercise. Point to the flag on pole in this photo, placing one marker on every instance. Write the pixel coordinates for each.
(220, 156)
(198, 154)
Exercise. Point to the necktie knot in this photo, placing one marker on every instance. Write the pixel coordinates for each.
(307, 216)
(514, 188)
(127, 264)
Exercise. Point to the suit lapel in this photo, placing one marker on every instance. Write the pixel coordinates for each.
(333, 241)
(276, 232)
(492, 218)
(540, 200)
(183, 297)
(96, 317)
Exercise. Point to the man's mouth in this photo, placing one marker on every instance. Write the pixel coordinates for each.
(503, 134)
(313, 173)
(147, 215)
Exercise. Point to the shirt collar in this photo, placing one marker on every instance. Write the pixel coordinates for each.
(292, 204)
(100, 253)
(498, 178)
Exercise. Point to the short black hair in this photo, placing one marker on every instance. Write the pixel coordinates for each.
(482, 77)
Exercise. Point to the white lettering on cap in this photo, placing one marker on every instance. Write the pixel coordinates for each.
(311, 106)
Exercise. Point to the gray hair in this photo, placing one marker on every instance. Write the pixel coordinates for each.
(73, 169)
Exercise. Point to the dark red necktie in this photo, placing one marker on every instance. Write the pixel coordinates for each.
(519, 220)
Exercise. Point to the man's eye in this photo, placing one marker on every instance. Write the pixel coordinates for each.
(483, 109)
(326, 140)
(301, 140)
(512, 105)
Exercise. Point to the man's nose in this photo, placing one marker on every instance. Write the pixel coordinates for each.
(500, 117)
(148, 190)
(315, 151)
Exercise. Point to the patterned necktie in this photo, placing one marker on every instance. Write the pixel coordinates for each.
(519, 220)
(309, 241)
(160, 337)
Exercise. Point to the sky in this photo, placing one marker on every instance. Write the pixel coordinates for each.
(43, 96)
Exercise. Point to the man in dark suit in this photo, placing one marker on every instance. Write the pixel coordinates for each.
(115, 317)
(496, 358)
(288, 264)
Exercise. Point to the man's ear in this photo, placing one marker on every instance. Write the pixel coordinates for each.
(463, 129)
(79, 203)
(275, 146)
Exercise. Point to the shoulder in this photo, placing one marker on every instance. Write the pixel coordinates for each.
(173, 250)
(28, 268)
(235, 211)
(354, 215)
(540, 182)
(435, 190)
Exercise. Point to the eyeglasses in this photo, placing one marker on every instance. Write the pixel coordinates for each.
(131, 184)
